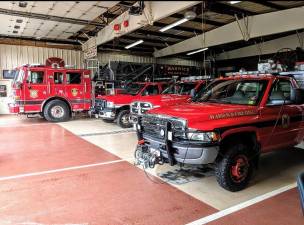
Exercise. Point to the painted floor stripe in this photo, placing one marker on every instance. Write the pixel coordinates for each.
(24, 125)
(62, 169)
(240, 206)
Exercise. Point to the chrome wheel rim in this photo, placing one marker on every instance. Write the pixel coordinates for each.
(57, 111)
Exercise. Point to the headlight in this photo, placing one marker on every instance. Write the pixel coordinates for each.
(110, 104)
(203, 136)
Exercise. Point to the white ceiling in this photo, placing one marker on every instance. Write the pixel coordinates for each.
(85, 10)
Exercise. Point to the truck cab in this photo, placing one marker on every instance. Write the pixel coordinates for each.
(117, 107)
(51, 90)
(177, 93)
(229, 126)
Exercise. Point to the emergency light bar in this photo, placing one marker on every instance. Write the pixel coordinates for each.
(193, 78)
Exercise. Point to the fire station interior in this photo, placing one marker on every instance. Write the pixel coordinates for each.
(151, 112)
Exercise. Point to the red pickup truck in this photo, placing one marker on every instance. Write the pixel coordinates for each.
(176, 93)
(230, 126)
(117, 107)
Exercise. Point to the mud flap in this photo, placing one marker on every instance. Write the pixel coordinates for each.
(168, 143)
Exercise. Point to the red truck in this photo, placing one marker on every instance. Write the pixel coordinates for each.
(229, 126)
(176, 93)
(117, 107)
(51, 90)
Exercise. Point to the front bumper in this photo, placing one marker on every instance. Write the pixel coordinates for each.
(15, 108)
(106, 113)
(185, 152)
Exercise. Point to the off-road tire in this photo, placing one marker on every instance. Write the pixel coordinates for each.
(107, 120)
(47, 112)
(224, 164)
(120, 118)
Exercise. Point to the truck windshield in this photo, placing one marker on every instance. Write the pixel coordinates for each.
(241, 92)
(133, 89)
(179, 88)
(18, 77)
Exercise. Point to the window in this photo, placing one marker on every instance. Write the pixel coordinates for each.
(58, 77)
(151, 90)
(242, 92)
(35, 77)
(280, 93)
(73, 78)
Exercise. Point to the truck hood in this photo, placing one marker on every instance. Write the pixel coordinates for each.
(162, 100)
(197, 114)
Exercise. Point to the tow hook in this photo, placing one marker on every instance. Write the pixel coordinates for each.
(146, 157)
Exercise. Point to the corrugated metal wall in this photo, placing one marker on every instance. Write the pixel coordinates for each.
(104, 58)
(15, 55)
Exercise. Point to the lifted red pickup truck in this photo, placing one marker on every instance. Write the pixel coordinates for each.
(176, 93)
(117, 107)
(230, 126)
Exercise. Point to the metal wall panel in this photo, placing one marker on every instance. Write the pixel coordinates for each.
(15, 55)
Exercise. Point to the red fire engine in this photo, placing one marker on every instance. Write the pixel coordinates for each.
(51, 90)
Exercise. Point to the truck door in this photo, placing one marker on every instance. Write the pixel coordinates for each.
(286, 116)
(56, 79)
(35, 89)
(74, 89)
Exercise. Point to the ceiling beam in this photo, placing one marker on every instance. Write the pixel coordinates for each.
(260, 25)
(199, 20)
(271, 5)
(154, 11)
(227, 9)
(49, 17)
(268, 47)
(145, 39)
(179, 28)
(160, 34)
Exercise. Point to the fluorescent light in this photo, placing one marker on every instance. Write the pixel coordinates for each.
(234, 2)
(134, 44)
(173, 24)
(200, 50)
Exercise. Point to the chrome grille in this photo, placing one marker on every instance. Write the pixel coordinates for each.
(100, 104)
(153, 124)
(140, 107)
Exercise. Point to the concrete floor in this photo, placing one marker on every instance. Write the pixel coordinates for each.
(81, 172)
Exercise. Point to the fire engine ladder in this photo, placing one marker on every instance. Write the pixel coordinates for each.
(93, 65)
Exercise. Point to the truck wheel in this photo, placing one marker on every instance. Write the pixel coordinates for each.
(107, 120)
(56, 111)
(123, 119)
(233, 171)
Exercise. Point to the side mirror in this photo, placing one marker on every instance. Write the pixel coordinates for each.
(297, 96)
(192, 93)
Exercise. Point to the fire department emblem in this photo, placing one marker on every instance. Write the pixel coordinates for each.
(33, 93)
(74, 92)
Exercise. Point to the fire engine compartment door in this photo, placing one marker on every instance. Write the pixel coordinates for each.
(35, 90)
(75, 88)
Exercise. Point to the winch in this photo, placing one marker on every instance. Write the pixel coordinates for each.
(147, 157)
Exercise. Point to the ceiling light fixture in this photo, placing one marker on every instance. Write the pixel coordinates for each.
(174, 24)
(22, 4)
(234, 2)
(197, 51)
(134, 44)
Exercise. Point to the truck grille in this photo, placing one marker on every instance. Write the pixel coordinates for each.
(140, 107)
(153, 124)
(100, 104)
